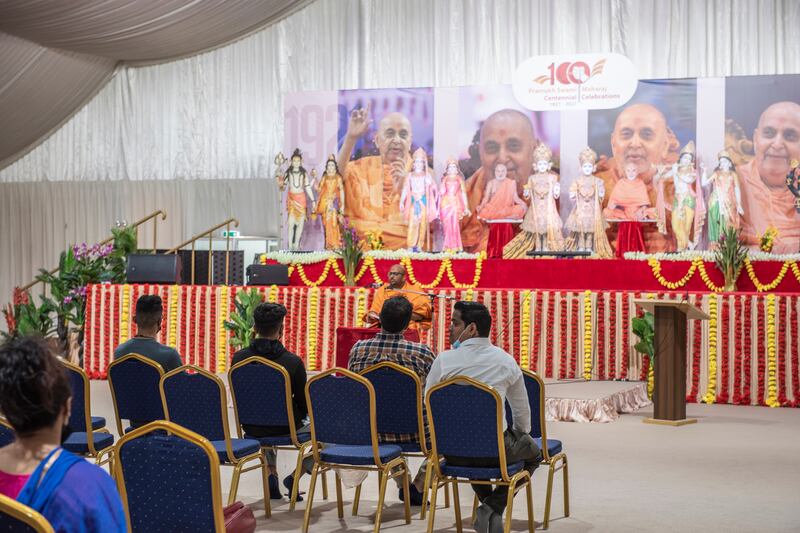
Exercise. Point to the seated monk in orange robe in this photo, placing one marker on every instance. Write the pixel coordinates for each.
(629, 199)
(397, 286)
(501, 200)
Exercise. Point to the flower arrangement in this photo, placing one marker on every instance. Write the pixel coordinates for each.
(768, 239)
(24, 317)
(241, 321)
(730, 256)
(374, 239)
(351, 252)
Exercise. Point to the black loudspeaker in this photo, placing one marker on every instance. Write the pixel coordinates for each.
(267, 275)
(148, 268)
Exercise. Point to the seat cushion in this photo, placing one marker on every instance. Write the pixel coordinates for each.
(280, 440)
(553, 446)
(98, 422)
(77, 442)
(409, 447)
(479, 472)
(240, 447)
(358, 455)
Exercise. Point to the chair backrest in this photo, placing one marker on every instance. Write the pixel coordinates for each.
(168, 482)
(341, 406)
(18, 518)
(535, 387)
(134, 381)
(6, 433)
(262, 394)
(466, 420)
(398, 399)
(80, 415)
(196, 400)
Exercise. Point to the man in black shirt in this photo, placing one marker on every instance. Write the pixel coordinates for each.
(268, 326)
(148, 323)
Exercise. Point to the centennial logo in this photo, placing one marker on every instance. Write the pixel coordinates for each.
(580, 81)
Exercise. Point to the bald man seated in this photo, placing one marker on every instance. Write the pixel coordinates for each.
(373, 184)
(766, 199)
(420, 302)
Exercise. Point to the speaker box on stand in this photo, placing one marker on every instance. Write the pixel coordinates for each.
(149, 268)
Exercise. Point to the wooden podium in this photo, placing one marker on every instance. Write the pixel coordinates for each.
(669, 394)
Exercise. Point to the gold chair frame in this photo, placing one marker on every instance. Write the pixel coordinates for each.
(25, 514)
(185, 434)
(105, 456)
(521, 478)
(384, 469)
(237, 464)
(141, 359)
(425, 452)
(302, 449)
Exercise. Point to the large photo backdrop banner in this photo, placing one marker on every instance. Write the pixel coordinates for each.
(755, 120)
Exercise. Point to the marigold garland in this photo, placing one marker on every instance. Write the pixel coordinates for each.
(322, 277)
(548, 339)
(761, 360)
(795, 344)
(782, 319)
(699, 265)
(273, 294)
(374, 271)
(612, 336)
(572, 371)
(796, 270)
(361, 306)
(601, 336)
(562, 343)
(537, 331)
(760, 287)
(626, 349)
(711, 389)
(525, 331)
(747, 354)
(651, 379)
(655, 265)
(406, 262)
(697, 339)
(124, 326)
(587, 335)
(312, 329)
(724, 354)
(469, 295)
(363, 270)
(212, 325)
(162, 335)
(475, 278)
(222, 338)
(772, 388)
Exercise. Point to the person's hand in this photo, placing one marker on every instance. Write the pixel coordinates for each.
(399, 173)
(359, 122)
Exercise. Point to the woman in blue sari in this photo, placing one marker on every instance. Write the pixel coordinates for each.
(74, 495)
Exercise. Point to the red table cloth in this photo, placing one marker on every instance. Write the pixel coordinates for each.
(347, 337)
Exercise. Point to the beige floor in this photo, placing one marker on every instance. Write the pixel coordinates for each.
(738, 469)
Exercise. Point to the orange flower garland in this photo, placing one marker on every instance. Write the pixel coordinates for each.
(222, 336)
(361, 306)
(406, 262)
(587, 335)
(311, 328)
(772, 367)
(711, 389)
(307, 282)
(655, 265)
(124, 326)
(525, 331)
(774, 283)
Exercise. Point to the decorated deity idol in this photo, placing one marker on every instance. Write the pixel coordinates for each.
(725, 202)
(418, 203)
(793, 182)
(500, 200)
(688, 207)
(296, 203)
(586, 224)
(330, 204)
(452, 205)
(541, 228)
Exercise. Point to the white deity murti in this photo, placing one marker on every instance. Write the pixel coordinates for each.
(586, 224)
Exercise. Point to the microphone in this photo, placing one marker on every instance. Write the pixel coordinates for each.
(377, 285)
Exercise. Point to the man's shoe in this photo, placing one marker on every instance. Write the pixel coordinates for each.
(416, 496)
(482, 517)
(288, 481)
(274, 489)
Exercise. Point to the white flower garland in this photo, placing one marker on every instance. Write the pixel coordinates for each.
(707, 255)
(307, 258)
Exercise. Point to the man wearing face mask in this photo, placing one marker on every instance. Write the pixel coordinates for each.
(373, 184)
(475, 357)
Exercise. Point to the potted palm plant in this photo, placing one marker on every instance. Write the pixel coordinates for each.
(729, 256)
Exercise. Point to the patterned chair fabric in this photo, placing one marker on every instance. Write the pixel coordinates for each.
(193, 401)
(169, 485)
(260, 394)
(332, 423)
(77, 443)
(395, 400)
(18, 518)
(359, 455)
(465, 421)
(77, 417)
(136, 390)
(534, 392)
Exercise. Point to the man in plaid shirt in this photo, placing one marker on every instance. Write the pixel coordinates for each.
(390, 345)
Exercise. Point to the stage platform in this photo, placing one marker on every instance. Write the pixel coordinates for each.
(747, 354)
(593, 401)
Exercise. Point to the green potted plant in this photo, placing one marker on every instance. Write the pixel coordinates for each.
(351, 253)
(24, 317)
(241, 321)
(644, 329)
(729, 256)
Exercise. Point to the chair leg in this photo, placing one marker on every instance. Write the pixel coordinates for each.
(357, 499)
(566, 487)
(432, 513)
(339, 505)
(529, 498)
(312, 485)
(298, 470)
(324, 486)
(447, 495)
(548, 496)
(457, 505)
(509, 507)
(384, 477)
(237, 471)
(426, 489)
(474, 507)
(407, 502)
(264, 482)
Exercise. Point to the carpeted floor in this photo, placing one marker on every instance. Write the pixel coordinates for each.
(738, 469)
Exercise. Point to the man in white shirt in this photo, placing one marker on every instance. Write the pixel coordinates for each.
(474, 356)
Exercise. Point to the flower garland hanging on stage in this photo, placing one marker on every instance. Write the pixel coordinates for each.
(562, 344)
(222, 337)
(525, 331)
(751, 273)
(711, 389)
(312, 329)
(724, 358)
(361, 306)
(772, 388)
(124, 325)
(587, 335)
(747, 350)
(697, 341)
(551, 311)
(612, 336)
(782, 318)
(406, 262)
(172, 336)
(795, 345)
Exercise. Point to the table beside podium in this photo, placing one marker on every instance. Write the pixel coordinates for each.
(669, 393)
(347, 337)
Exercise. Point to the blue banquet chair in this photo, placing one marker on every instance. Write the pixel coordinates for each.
(466, 420)
(262, 396)
(168, 479)
(89, 436)
(348, 437)
(18, 518)
(134, 381)
(6, 433)
(196, 399)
